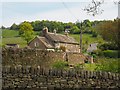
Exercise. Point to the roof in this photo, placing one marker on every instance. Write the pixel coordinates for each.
(11, 44)
(62, 38)
(45, 42)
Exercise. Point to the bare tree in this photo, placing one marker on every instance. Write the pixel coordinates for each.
(117, 2)
(94, 7)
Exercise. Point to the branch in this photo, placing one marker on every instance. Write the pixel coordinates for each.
(117, 2)
(94, 8)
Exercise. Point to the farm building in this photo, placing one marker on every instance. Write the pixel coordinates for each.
(51, 41)
(12, 46)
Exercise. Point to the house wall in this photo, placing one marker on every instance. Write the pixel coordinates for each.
(40, 44)
(69, 47)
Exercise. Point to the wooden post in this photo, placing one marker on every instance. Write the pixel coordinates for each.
(81, 37)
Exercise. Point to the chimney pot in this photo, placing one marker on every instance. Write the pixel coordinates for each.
(54, 31)
(45, 30)
(66, 32)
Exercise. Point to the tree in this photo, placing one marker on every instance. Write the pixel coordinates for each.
(109, 30)
(14, 27)
(87, 26)
(2, 27)
(94, 7)
(75, 30)
(26, 31)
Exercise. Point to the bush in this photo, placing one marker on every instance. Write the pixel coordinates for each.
(111, 53)
(108, 64)
(88, 32)
(63, 48)
(94, 55)
(79, 66)
(94, 34)
(98, 52)
(60, 65)
(108, 46)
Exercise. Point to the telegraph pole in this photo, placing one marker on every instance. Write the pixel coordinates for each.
(81, 37)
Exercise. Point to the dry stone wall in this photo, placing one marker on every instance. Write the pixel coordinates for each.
(36, 78)
(35, 57)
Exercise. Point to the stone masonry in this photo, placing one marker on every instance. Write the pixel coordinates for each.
(36, 57)
(36, 78)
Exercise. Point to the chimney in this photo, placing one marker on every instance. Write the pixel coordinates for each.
(54, 31)
(44, 31)
(66, 32)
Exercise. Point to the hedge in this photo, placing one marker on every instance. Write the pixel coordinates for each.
(111, 53)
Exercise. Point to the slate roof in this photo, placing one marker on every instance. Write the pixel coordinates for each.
(55, 38)
(61, 38)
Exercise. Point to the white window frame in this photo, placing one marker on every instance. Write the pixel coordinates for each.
(36, 44)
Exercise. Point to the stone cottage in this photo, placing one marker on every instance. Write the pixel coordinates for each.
(51, 41)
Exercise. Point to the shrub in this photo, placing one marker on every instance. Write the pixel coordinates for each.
(94, 34)
(98, 52)
(111, 53)
(94, 55)
(108, 64)
(63, 48)
(108, 46)
(79, 66)
(2, 45)
(60, 65)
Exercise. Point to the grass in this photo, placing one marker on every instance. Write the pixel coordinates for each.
(60, 64)
(12, 36)
(89, 66)
(14, 40)
(87, 38)
(104, 64)
(9, 33)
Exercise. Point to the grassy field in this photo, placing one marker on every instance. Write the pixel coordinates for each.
(87, 38)
(12, 36)
(14, 40)
(9, 33)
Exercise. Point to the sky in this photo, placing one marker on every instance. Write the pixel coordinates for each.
(13, 11)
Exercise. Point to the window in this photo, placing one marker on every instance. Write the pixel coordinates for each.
(36, 44)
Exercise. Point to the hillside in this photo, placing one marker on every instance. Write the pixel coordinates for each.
(12, 36)
(9, 33)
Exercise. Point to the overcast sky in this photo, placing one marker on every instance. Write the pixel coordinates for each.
(19, 11)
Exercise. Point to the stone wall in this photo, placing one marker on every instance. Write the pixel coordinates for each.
(19, 78)
(33, 57)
